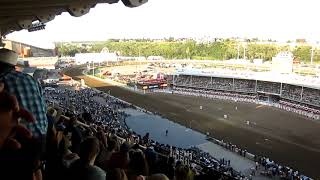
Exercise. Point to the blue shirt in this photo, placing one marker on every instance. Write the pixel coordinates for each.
(30, 97)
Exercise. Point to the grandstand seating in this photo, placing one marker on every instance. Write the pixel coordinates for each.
(243, 85)
(201, 82)
(311, 96)
(268, 87)
(291, 92)
(221, 84)
(307, 95)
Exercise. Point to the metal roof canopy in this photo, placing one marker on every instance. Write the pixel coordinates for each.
(16, 15)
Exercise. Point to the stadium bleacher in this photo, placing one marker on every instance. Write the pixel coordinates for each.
(311, 96)
(242, 85)
(221, 84)
(201, 82)
(268, 87)
(291, 92)
(301, 94)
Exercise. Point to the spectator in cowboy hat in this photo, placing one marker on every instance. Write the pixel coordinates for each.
(27, 91)
(19, 154)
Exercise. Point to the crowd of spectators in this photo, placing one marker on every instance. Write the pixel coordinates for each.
(299, 109)
(268, 87)
(265, 166)
(200, 164)
(311, 96)
(200, 81)
(269, 168)
(287, 91)
(291, 92)
(204, 82)
(84, 137)
(252, 91)
(192, 162)
(228, 84)
(182, 80)
(212, 94)
(242, 85)
(221, 84)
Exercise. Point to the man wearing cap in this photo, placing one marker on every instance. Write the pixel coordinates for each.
(27, 91)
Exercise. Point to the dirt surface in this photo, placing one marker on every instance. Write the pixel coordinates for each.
(287, 138)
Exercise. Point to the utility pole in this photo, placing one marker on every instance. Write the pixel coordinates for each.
(139, 57)
(238, 56)
(244, 52)
(92, 68)
(139, 52)
(312, 54)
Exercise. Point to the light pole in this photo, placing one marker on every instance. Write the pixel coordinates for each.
(312, 54)
(92, 68)
(139, 52)
(238, 49)
(244, 52)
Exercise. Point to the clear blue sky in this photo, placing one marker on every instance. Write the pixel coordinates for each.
(276, 19)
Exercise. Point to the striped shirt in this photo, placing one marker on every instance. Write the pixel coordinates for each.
(30, 97)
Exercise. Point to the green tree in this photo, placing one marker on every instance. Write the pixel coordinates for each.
(303, 53)
(174, 49)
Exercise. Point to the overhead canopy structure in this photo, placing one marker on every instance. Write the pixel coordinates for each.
(16, 15)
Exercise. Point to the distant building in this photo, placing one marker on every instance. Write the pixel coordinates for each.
(302, 41)
(26, 50)
(282, 63)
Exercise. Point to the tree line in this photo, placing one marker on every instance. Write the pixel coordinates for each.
(190, 49)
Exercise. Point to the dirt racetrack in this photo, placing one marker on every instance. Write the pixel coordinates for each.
(287, 138)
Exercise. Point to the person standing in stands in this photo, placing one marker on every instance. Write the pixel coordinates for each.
(84, 168)
(146, 139)
(19, 154)
(27, 91)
